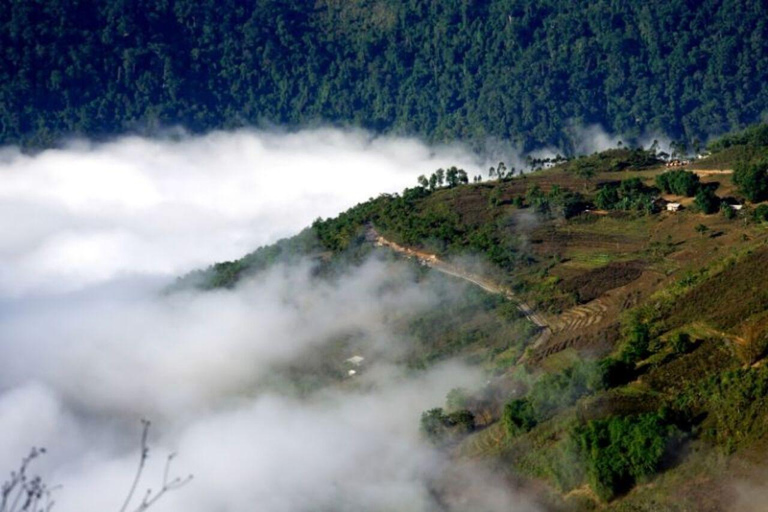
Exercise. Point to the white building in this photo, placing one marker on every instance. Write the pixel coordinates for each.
(355, 360)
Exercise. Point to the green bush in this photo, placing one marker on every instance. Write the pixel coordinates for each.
(754, 136)
(228, 273)
(623, 450)
(440, 427)
(681, 343)
(706, 201)
(518, 416)
(607, 197)
(628, 195)
(761, 213)
(678, 182)
(564, 202)
(556, 391)
(462, 422)
(613, 372)
(728, 212)
(433, 424)
(752, 179)
(537, 199)
(638, 342)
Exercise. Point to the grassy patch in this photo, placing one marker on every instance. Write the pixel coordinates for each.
(729, 157)
(585, 259)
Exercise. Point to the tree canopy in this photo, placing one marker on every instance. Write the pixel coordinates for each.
(752, 179)
(513, 69)
(679, 182)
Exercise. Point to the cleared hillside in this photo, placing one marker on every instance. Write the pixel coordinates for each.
(651, 376)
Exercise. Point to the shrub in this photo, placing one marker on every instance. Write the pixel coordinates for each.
(753, 136)
(752, 179)
(537, 199)
(607, 197)
(439, 427)
(761, 213)
(681, 343)
(728, 212)
(462, 422)
(678, 182)
(518, 416)
(620, 451)
(638, 342)
(556, 391)
(564, 202)
(614, 372)
(630, 195)
(433, 424)
(494, 198)
(706, 201)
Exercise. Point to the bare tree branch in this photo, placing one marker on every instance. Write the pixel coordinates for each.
(20, 493)
(168, 485)
(143, 455)
(149, 498)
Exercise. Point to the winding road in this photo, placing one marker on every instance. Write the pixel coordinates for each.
(433, 262)
(574, 320)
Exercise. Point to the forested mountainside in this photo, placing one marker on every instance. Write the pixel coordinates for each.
(514, 69)
(617, 304)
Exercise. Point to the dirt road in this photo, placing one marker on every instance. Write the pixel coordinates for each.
(486, 284)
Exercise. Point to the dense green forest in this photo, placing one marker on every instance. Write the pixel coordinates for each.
(522, 70)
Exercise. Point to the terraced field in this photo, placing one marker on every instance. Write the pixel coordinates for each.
(571, 322)
(580, 317)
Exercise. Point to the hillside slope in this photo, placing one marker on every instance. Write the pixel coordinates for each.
(511, 69)
(649, 376)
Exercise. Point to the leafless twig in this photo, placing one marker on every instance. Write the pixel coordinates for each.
(151, 498)
(22, 493)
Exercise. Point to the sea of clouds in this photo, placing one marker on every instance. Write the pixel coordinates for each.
(92, 234)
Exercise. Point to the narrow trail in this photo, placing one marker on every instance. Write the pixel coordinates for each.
(574, 319)
(432, 261)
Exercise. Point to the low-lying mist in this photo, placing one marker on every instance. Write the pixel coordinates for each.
(90, 343)
(91, 213)
(77, 376)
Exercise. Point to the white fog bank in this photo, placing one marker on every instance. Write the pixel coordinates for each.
(89, 213)
(89, 343)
